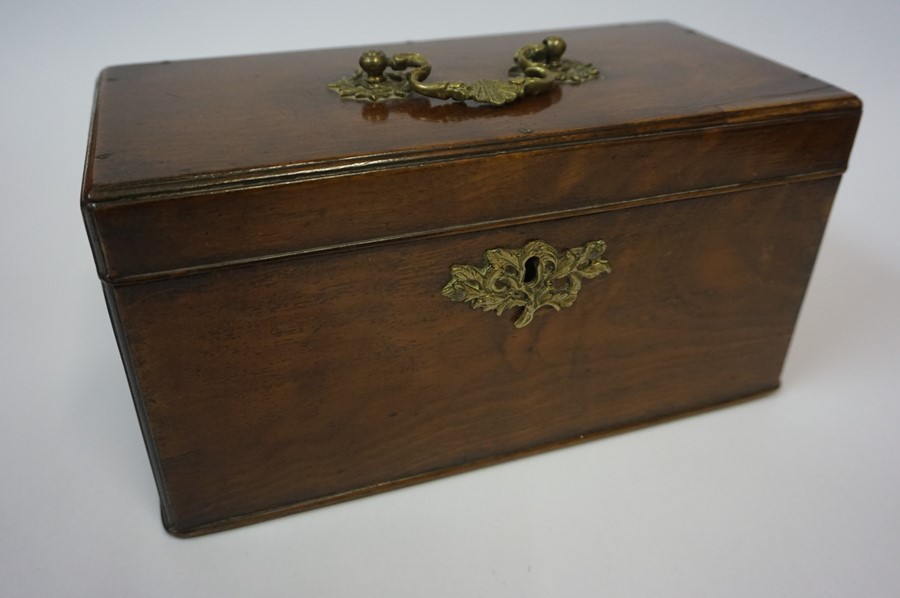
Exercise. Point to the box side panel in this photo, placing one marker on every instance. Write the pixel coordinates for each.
(139, 405)
(278, 387)
(140, 239)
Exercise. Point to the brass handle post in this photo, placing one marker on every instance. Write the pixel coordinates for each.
(538, 68)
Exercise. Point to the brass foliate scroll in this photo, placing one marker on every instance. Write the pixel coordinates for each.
(535, 276)
(538, 68)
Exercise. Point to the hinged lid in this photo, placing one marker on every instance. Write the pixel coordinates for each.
(204, 163)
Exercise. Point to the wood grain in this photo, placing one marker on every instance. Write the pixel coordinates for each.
(314, 377)
(207, 229)
(171, 125)
(273, 258)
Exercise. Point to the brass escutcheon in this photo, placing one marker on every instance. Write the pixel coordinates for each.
(532, 277)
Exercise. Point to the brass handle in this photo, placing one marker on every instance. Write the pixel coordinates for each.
(532, 277)
(538, 68)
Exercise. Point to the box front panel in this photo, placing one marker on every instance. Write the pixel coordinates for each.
(284, 385)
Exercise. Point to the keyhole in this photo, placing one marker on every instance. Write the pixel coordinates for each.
(531, 269)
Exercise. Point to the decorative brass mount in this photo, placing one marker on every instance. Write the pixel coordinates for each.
(538, 68)
(532, 277)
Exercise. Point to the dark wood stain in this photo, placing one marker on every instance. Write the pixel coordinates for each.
(206, 118)
(275, 289)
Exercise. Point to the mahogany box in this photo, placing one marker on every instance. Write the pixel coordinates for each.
(317, 296)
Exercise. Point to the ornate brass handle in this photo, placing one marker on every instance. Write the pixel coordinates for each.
(532, 277)
(539, 67)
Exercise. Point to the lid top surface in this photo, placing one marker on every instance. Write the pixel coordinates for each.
(172, 125)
